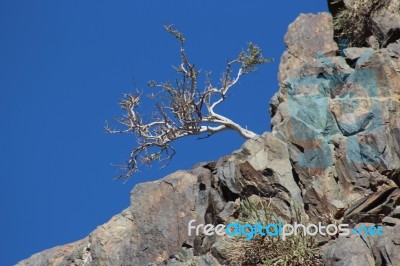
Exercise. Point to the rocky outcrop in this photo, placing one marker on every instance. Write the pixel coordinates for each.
(379, 21)
(338, 115)
(154, 229)
(365, 250)
(334, 152)
(338, 112)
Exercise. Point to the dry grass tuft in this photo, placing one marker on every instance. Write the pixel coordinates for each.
(353, 24)
(295, 250)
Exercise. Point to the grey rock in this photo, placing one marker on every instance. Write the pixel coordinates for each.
(387, 247)
(373, 42)
(53, 256)
(160, 219)
(396, 212)
(349, 251)
(390, 221)
(229, 209)
(308, 37)
(220, 251)
(386, 22)
(354, 53)
(394, 49)
(204, 260)
(269, 155)
(313, 40)
(365, 250)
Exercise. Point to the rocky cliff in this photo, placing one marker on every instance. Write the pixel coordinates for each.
(334, 152)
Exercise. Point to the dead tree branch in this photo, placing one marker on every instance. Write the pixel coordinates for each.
(181, 109)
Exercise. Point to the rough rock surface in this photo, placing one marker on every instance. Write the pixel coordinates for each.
(334, 150)
(340, 117)
(383, 18)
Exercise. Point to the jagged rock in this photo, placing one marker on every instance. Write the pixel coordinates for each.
(55, 256)
(154, 229)
(354, 53)
(390, 221)
(268, 156)
(394, 51)
(374, 207)
(204, 260)
(381, 18)
(365, 250)
(393, 175)
(229, 209)
(396, 212)
(386, 22)
(373, 42)
(220, 251)
(316, 39)
(151, 230)
(348, 251)
(338, 119)
(387, 247)
(107, 245)
(160, 219)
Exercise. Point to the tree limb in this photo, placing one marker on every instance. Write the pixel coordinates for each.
(181, 109)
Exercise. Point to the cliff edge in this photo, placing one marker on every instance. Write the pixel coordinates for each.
(333, 151)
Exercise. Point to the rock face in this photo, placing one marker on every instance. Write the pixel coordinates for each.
(334, 151)
(338, 115)
(379, 19)
(154, 229)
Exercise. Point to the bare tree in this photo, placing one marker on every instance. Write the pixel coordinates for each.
(181, 108)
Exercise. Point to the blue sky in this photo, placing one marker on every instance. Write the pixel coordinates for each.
(64, 66)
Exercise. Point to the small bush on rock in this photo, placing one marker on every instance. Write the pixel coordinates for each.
(295, 250)
(353, 23)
